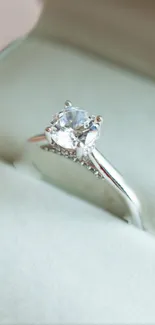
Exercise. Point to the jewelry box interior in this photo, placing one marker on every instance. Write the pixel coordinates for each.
(86, 263)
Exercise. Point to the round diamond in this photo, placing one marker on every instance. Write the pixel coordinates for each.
(72, 127)
(72, 118)
(65, 138)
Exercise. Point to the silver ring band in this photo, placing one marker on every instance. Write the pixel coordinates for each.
(72, 134)
(118, 183)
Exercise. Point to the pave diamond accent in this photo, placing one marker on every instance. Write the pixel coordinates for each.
(74, 129)
(72, 156)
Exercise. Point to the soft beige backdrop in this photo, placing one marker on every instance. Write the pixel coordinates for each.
(117, 30)
(17, 17)
(122, 32)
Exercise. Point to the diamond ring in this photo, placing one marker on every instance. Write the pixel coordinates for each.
(73, 133)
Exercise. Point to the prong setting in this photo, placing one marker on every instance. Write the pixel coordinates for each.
(99, 119)
(48, 129)
(80, 150)
(67, 104)
(73, 129)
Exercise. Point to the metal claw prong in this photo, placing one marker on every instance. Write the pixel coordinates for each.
(68, 103)
(80, 150)
(99, 119)
(48, 129)
(48, 133)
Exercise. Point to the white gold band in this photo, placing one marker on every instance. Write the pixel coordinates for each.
(72, 133)
(117, 196)
(119, 185)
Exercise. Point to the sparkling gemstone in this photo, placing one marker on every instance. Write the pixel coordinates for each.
(73, 118)
(65, 138)
(73, 125)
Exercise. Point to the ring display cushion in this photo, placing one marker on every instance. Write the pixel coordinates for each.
(70, 250)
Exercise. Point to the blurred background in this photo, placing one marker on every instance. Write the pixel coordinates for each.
(120, 31)
(17, 18)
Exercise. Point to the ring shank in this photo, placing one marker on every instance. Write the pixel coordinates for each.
(48, 164)
(118, 183)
